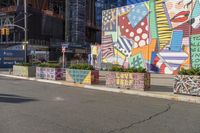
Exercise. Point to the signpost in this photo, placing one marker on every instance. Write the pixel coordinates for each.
(64, 50)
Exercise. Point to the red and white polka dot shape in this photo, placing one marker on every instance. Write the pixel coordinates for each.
(139, 34)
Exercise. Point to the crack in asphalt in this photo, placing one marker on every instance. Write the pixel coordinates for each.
(142, 121)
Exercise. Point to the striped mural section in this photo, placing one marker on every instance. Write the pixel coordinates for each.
(164, 30)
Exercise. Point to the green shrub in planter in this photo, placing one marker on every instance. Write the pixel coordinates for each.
(36, 63)
(82, 67)
(53, 62)
(49, 65)
(117, 68)
(192, 71)
(23, 64)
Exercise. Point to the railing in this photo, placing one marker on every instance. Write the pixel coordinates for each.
(8, 9)
(51, 13)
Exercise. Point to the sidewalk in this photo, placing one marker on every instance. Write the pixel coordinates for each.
(161, 87)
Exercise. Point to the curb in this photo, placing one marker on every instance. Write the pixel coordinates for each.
(32, 79)
(160, 95)
(167, 96)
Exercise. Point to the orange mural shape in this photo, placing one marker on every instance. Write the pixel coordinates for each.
(146, 51)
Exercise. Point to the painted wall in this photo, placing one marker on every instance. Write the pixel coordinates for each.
(160, 35)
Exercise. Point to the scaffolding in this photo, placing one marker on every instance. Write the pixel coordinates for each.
(77, 21)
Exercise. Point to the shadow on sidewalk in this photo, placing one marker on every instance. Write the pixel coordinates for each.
(6, 98)
(160, 88)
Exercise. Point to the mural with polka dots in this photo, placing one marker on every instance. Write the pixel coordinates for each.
(162, 36)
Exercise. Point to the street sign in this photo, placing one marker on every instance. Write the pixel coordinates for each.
(64, 47)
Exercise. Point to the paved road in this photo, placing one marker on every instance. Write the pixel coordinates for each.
(33, 107)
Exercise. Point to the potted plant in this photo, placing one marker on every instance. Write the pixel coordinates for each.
(187, 82)
(131, 78)
(24, 70)
(83, 74)
(50, 71)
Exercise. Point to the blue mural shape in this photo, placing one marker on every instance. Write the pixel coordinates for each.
(137, 14)
(134, 1)
(176, 42)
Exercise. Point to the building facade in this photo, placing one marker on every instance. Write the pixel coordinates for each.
(50, 24)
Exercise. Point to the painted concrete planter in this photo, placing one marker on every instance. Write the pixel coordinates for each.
(50, 73)
(125, 80)
(24, 71)
(187, 84)
(82, 76)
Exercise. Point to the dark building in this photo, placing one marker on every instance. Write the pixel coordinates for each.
(104, 5)
(50, 23)
(53, 22)
(45, 24)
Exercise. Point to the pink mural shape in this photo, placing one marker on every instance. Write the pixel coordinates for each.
(187, 29)
(107, 46)
(139, 34)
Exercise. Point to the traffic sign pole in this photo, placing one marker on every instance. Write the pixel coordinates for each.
(64, 49)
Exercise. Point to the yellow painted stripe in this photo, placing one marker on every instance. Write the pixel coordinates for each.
(164, 30)
(119, 54)
(147, 5)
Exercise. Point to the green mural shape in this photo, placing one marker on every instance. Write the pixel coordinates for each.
(78, 75)
(196, 10)
(136, 61)
(114, 35)
(195, 51)
(153, 24)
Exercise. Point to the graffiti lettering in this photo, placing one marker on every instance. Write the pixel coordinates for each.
(195, 50)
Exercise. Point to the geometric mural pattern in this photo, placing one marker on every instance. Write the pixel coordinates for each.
(82, 76)
(162, 36)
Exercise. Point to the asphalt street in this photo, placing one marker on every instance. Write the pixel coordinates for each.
(33, 107)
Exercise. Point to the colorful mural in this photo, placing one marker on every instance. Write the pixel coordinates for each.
(161, 35)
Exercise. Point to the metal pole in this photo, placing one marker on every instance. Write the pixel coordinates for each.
(67, 12)
(63, 59)
(67, 20)
(25, 30)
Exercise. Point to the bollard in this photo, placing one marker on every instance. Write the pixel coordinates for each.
(10, 71)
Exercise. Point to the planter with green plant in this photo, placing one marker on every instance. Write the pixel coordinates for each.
(49, 71)
(83, 74)
(187, 82)
(132, 78)
(24, 70)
